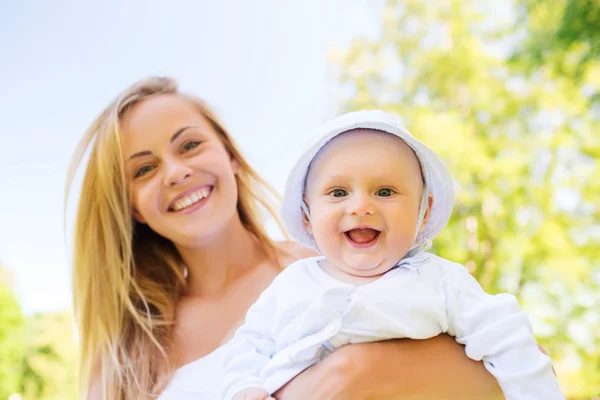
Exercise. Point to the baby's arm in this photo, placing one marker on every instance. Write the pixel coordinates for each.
(493, 329)
(251, 349)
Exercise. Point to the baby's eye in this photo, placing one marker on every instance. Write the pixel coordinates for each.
(189, 146)
(385, 192)
(338, 193)
(143, 170)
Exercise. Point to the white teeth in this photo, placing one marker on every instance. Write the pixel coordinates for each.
(191, 199)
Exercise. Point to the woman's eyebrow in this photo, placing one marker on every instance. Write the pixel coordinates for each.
(180, 131)
(140, 154)
(173, 138)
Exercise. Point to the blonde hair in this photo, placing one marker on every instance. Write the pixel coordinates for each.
(127, 279)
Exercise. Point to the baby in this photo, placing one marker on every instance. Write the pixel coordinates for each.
(370, 197)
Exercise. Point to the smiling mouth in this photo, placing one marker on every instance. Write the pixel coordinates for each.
(362, 237)
(191, 199)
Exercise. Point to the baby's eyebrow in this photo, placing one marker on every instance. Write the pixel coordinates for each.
(338, 177)
(387, 176)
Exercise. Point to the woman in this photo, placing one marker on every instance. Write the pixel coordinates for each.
(170, 251)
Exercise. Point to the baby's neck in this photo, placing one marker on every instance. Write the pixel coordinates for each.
(345, 277)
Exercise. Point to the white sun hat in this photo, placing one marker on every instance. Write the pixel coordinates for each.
(437, 177)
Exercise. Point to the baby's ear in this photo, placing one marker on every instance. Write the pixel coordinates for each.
(428, 211)
(305, 218)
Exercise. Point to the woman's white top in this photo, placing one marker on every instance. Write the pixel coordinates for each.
(305, 314)
(199, 380)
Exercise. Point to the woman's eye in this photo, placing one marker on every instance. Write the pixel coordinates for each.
(143, 170)
(385, 192)
(338, 193)
(189, 146)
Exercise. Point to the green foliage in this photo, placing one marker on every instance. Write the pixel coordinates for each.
(37, 354)
(49, 364)
(523, 149)
(563, 36)
(12, 343)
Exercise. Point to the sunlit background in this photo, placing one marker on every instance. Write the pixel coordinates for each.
(507, 93)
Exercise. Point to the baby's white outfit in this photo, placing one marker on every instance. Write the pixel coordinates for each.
(305, 314)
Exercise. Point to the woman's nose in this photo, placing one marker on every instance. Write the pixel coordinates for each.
(176, 173)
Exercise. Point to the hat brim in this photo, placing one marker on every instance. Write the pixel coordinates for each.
(435, 173)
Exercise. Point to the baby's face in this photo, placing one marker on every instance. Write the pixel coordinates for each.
(363, 192)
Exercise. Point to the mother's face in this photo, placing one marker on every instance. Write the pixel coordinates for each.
(182, 179)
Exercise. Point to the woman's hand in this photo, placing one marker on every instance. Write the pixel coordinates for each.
(397, 369)
(253, 394)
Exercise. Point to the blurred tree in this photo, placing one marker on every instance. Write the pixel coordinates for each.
(12, 343)
(6, 276)
(524, 154)
(49, 364)
(37, 354)
(564, 34)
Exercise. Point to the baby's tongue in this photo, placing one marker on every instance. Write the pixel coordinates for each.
(362, 235)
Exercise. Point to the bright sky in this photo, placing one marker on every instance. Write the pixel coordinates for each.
(261, 64)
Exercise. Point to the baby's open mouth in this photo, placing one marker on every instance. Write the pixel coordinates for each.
(362, 235)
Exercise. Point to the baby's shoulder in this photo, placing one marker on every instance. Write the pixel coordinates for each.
(290, 251)
(296, 270)
(443, 268)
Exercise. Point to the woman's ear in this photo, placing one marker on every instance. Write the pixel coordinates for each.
(235, 165)
(427, 211)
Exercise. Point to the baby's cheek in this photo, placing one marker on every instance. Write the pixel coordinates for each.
(320, 235)
(402, 241)
(324, 227)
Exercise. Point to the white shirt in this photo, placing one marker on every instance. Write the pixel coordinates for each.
(199, 380)
(306, 313)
